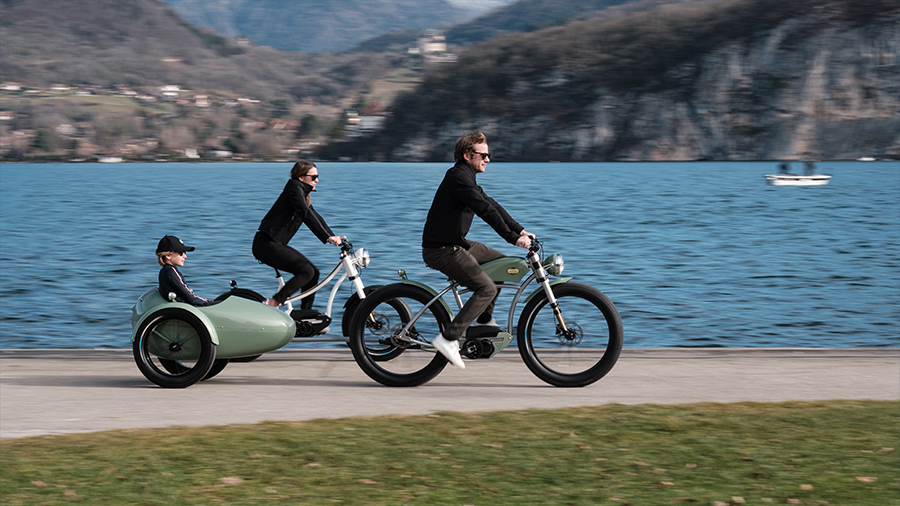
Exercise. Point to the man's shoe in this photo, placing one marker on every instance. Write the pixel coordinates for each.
(449, 349)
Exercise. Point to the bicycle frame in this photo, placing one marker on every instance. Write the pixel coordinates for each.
(347, 264)
(538, 272)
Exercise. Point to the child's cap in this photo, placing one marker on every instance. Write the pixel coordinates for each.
(172, 243)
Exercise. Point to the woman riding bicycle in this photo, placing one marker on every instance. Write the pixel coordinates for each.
(292, 209)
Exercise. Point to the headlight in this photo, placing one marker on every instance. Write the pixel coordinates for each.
(360, 257)
(554, 264)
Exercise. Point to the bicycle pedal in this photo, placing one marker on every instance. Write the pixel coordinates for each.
(310, 322)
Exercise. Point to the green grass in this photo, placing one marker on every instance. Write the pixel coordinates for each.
(839, 453)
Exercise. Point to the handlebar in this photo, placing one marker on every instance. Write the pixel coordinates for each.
(535, 245)
(346, 245)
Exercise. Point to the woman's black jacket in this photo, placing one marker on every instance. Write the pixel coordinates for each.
(289, 212)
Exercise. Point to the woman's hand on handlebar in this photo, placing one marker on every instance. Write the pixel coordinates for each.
(524, 240)
(336, 240)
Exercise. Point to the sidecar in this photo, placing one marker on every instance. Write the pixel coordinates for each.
(176, 344)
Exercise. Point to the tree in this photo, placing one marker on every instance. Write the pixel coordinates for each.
(44, 140)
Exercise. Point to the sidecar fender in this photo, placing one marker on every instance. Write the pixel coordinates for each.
(152, 302)
(540, 289)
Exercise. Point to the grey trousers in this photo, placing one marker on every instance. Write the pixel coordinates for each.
(464, 267)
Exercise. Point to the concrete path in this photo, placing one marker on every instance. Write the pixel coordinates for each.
(62, 391)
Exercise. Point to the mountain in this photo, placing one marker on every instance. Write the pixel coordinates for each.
(707, 79)
(143, 43)
(132, 78)
(478, 7)
(524, 16)
(314, 26)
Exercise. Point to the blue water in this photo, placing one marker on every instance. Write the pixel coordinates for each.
(692, 254)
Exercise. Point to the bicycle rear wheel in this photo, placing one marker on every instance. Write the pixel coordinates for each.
(582, 353)
(378, 326)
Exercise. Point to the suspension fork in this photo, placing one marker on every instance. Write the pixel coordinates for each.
(544, 279)
(353, 274)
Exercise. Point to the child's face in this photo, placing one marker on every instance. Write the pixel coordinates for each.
(176, 259)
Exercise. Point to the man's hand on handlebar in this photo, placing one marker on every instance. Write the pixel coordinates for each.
(524, 240)
(336, 240)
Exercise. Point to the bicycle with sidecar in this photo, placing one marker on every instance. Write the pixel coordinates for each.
(175, 344)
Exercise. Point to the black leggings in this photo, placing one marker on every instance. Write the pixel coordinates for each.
(287, 259)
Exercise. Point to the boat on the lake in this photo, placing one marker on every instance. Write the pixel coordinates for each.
(786, 178)
(795, 180)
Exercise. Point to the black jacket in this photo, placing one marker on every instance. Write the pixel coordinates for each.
(289, 212)
(457, 200)
(170, 280)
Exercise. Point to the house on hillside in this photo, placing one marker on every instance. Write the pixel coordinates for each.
(433, 46)
(170, 90)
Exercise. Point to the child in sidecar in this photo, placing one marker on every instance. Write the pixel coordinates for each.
(171, 253)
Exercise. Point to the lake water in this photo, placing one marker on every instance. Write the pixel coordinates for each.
(692, 254)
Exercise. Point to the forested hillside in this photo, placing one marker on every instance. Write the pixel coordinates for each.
(144, 43)
(103, 76)
(714, 79)
(643, 80)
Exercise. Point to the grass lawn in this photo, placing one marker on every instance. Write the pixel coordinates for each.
(837, 453)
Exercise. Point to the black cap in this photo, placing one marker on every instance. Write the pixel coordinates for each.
(172, 243)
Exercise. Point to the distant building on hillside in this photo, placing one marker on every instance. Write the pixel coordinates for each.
(170, 90)
(433, 46)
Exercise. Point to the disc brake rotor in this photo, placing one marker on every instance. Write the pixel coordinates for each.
(571, 337)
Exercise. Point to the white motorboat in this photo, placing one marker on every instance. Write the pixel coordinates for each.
(795, 180)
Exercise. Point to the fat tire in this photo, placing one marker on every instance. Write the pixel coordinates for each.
(170, 372)
(217, 367)
(605, 311)
(393, 295)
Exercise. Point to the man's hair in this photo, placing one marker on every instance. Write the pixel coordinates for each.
(465, 145)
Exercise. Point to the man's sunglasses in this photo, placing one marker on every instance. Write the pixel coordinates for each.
(483, 155)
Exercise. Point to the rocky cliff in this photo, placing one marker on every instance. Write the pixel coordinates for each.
(823, 83)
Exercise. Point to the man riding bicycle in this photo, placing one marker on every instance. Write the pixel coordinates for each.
(445, 247)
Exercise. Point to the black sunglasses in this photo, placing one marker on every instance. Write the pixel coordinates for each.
(483, 155)
(314, 176)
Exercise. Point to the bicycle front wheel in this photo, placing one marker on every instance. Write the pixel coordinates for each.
(379, 344)
(580, 353)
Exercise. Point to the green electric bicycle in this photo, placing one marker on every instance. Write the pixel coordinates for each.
(569, 334)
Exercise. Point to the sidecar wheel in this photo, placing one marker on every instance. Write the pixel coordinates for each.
(174, 367)
(217, 367)
(173, 348)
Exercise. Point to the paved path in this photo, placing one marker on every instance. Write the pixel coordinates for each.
(62, 391)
